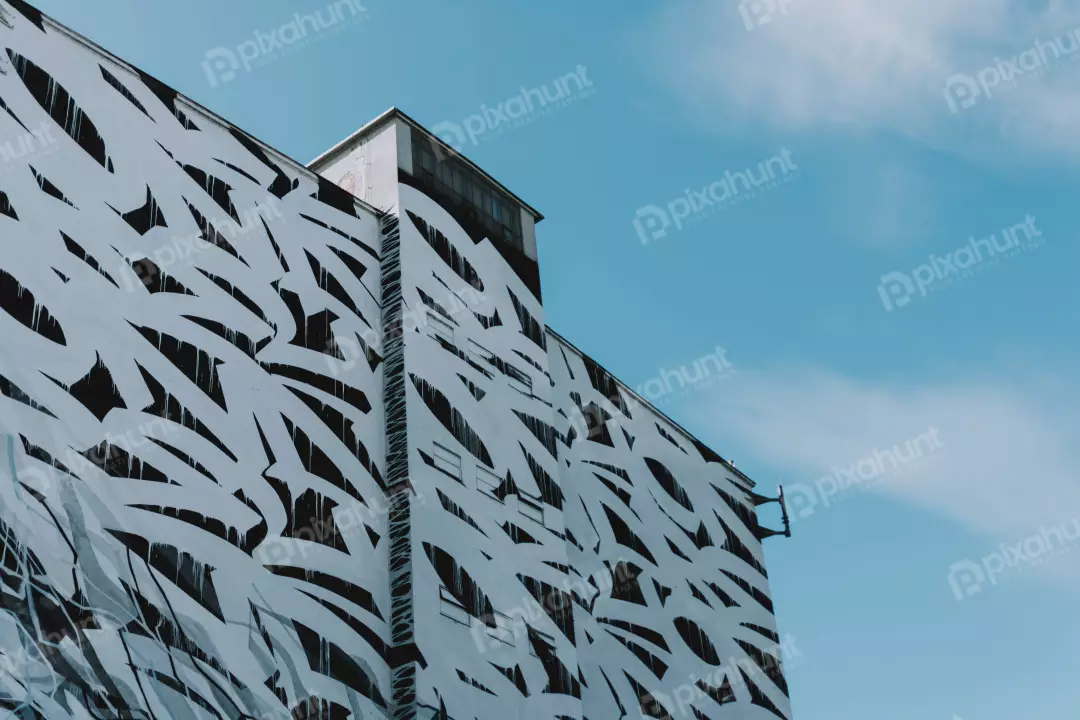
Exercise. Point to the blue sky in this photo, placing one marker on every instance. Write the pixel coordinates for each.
(907, 137)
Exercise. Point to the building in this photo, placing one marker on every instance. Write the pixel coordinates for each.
(295, 441)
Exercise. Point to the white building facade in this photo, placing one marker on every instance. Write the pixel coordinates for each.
(283, 441)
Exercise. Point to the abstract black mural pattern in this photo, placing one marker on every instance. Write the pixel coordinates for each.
(489, 534)
(582, 557)
(690, 631)
(268, 452)
(192, 507)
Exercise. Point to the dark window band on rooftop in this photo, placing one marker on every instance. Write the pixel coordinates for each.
(496, 212)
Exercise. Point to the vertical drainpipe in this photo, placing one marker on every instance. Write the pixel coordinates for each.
(403, 654)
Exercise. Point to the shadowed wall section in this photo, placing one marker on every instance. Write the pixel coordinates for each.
(574, 553)
(684, 626)
(192, 507)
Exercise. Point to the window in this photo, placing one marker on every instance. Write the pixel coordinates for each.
(472, 193)
(519, 379)
(487, 482)
(480, 355)
(530, 509)
(451, 608)
(447, 461)
(441, 329)
(503, 630)
(544, 637)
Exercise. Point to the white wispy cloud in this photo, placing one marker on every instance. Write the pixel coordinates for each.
(1011, 459)
(844, 64)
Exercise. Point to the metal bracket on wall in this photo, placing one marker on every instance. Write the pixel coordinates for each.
(758, 500)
